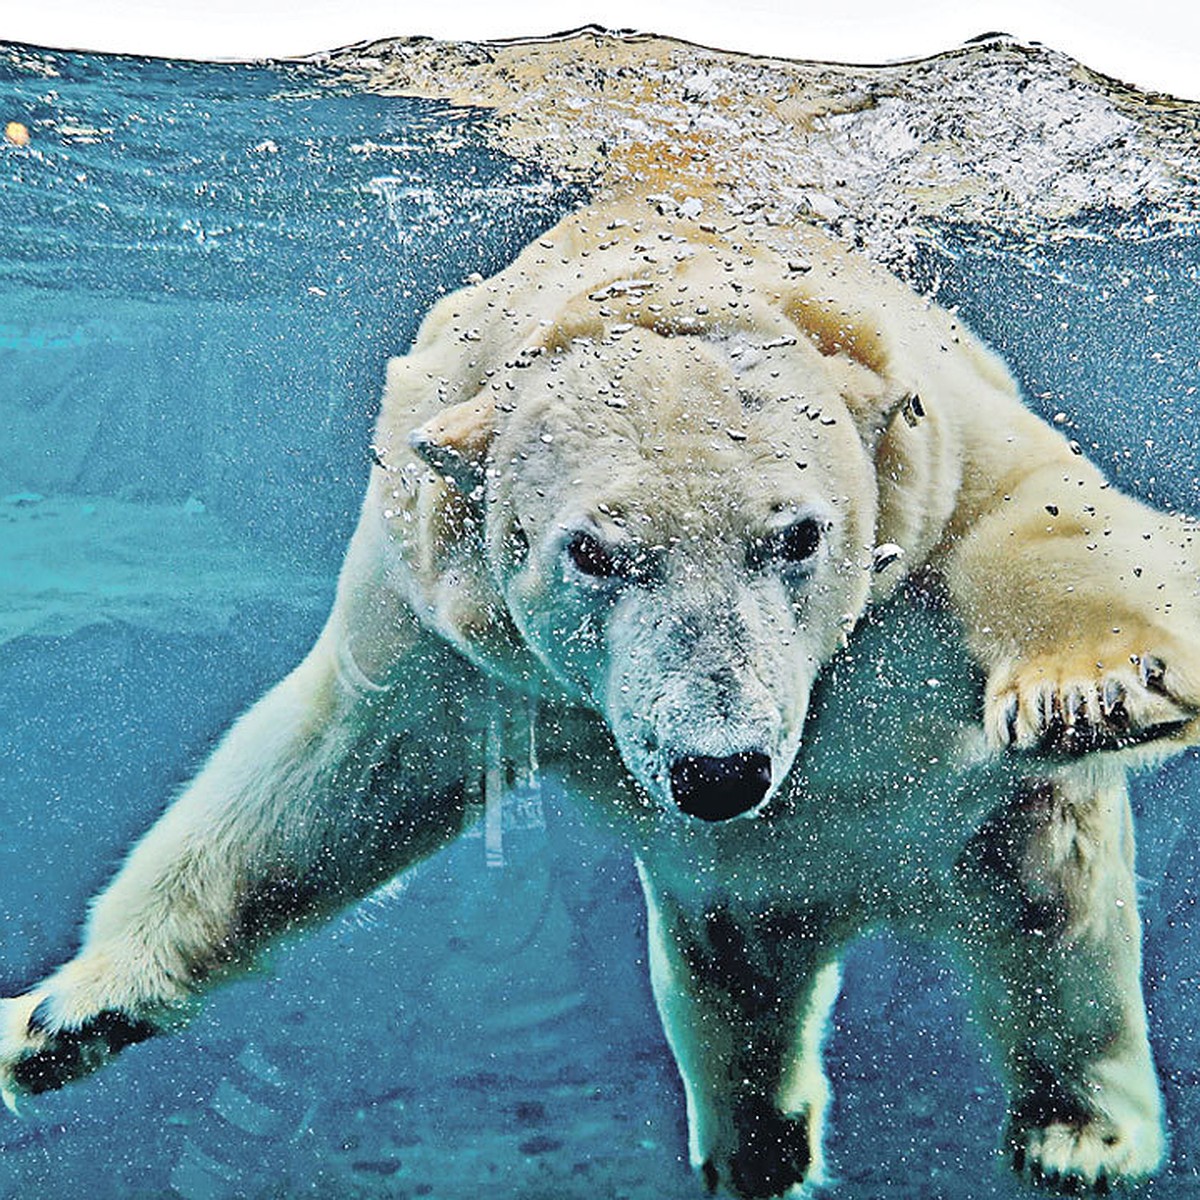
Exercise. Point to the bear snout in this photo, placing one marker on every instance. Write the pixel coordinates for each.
(715, 789)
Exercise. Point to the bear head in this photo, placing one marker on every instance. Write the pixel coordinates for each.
(674, 513)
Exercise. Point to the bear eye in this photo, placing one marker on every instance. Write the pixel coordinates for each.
(796, 544)
(591, 557)
(799, 542)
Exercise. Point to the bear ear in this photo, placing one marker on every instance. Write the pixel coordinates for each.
(456, 441)
(873, 414)
(861, 359)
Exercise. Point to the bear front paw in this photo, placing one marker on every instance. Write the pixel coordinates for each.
(1079, 702)
(40, 1050)
(773, 1158)
(1089, 1159)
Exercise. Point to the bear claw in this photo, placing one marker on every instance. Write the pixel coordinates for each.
(1066, 1184)
(1152, 672)
(1088, 1159)
(39, 1020)
(1031, 707)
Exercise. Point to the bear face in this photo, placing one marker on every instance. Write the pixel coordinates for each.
(683, 560)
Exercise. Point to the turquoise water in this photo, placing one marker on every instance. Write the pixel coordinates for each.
(202, 272)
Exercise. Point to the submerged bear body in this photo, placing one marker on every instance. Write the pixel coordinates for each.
(828, 626)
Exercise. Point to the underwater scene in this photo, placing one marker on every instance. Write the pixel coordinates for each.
(204, 271)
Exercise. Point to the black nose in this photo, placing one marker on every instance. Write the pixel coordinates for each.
(715, 789)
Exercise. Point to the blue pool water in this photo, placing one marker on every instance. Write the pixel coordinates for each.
(202, 272)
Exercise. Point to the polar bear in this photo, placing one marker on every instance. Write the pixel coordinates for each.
(821, 619)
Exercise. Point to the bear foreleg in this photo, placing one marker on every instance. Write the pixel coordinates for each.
(1083, 605)
(745, 1001)
(327, 787)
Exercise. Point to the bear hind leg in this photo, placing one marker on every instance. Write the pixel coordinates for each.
(1052, 933)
